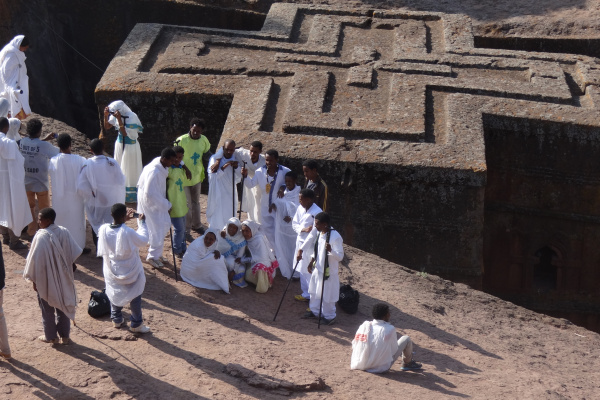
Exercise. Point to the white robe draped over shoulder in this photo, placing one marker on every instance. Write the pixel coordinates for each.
(14, 208)
(222, 193)
(50, 266)
(153, 203)
(101, 184)
(251, 197)
(199, 267)
(64, 171)
(123, 270)
(14, 82)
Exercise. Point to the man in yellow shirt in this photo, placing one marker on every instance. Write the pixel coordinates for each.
(195, 146)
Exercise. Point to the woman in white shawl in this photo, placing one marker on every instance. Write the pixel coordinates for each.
(14, 82)
(262, 259)
(232, 246)
(13, 130)
(127, 147)
(202, 265)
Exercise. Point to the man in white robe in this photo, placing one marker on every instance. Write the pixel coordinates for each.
(124, 276)
(50, 266)
(127, 147)
(14, 82)
(64, 171)
(270, 179)
(101, 184)
(254, 160)
(285, 236)
(14, 209)
(223, 175)
(376, 346)
(325, 246)
(153, 203)
(303, 223)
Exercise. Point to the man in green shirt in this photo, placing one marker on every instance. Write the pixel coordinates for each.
(195, 146)
(176, 181)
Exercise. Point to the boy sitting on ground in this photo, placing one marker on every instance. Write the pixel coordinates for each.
(376, 345)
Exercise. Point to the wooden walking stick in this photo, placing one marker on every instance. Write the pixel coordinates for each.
(242, 199)
(173, 251)
(286, 289)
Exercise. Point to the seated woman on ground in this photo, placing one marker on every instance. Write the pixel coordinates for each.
(202, 265)
(231, 246)
(262, 260)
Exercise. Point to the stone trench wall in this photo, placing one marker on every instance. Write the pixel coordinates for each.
(62, 82)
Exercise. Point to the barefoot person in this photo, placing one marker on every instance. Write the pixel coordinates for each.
(119, 246)
(203, 266)
(376, 345)
(50, 266)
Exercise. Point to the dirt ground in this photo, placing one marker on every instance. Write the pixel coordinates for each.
(208, 344)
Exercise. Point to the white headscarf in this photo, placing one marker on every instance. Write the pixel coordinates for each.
(4, 107)
(225, 244)
(13, 130)
(13, 46)
(199, 249)
(259, 245)
(131, 119)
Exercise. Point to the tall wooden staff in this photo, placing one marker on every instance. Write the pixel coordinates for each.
(242, 199)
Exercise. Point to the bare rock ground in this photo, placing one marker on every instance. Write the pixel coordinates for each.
(207, 344)
(524, 18)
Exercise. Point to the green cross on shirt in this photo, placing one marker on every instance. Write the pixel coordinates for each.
(195, 157)
(180, 184)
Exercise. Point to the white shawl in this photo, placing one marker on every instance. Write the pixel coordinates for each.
(259, 246)
(133, 125)
(13, 76)
(50, 266)
(200, 268)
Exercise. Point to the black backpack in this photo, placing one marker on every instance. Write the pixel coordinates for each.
(99, 304)
(349, 299)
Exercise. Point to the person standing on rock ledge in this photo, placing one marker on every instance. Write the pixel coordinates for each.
(127, 147)
(376, 346)
(14, 82)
